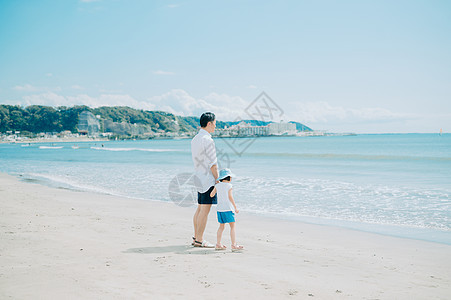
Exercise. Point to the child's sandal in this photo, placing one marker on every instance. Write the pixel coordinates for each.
(237, 248)
(220, 247)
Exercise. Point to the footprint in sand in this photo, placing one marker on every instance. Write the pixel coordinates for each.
(292, 292)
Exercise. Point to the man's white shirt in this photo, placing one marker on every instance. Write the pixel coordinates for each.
(203, 151)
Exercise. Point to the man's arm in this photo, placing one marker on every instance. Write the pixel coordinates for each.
(210, 153)
(214, 171)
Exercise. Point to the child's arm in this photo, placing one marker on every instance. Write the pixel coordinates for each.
(213, 192)
(232, 200)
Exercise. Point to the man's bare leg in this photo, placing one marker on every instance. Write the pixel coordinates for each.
(202, 217)
(196, 215)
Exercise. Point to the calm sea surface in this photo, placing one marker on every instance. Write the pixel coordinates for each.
(393, 184)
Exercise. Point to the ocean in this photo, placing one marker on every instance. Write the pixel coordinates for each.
(391, 184)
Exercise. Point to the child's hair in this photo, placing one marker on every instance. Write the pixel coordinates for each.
(226, 179)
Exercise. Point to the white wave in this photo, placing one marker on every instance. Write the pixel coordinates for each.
(64, 182)
(336, 200)
(134, 149)
(48, 147)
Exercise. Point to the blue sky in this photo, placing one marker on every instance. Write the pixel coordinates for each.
(341, 66)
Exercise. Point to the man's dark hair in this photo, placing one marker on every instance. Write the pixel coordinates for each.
(226, 179)
(205, 118)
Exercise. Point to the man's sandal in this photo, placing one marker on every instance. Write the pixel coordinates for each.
(203, 244)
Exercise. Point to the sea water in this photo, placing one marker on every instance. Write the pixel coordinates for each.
(393, 184)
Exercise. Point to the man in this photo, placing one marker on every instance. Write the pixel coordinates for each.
(203, 151)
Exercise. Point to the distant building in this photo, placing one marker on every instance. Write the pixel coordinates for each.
(282, 128)
(126, 128)
(88, 124)
(244, 129)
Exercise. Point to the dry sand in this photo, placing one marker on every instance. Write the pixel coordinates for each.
(60, 244)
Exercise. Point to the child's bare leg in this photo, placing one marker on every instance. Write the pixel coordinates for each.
(219, 234)
(232, 233)
(235, 247)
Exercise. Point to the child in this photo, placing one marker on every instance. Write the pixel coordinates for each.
(226, 208)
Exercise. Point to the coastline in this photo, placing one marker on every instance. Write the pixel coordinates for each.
(79, 245)
(175, 137)
(55, 140)
(299, 134)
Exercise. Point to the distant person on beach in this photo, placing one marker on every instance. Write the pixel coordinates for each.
(203, 152)
(226, 209)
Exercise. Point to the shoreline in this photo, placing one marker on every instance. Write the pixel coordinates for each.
(421, 234)
(298, 135)
(79, 245)
(424, 234)
(96, 139)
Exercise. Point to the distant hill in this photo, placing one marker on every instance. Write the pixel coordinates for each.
(38, 118)
(299, 126)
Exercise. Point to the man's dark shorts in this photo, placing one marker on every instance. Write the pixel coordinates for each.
(204, 198)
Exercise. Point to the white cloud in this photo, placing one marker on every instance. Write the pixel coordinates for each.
(25, 88)
(317, 115)
(160, 72)
(88, 1)
(251, 86)
(324, 116)
(173, 5)
(323, 112)
(77, 87)
(49, 99)
(179, 102)
(52, 99)
(31, 88)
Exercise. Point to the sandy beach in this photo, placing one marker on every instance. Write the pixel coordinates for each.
(61, 244)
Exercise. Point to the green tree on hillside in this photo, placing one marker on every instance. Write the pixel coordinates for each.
(43, 119)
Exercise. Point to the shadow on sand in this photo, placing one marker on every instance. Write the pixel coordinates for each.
(177, 249)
